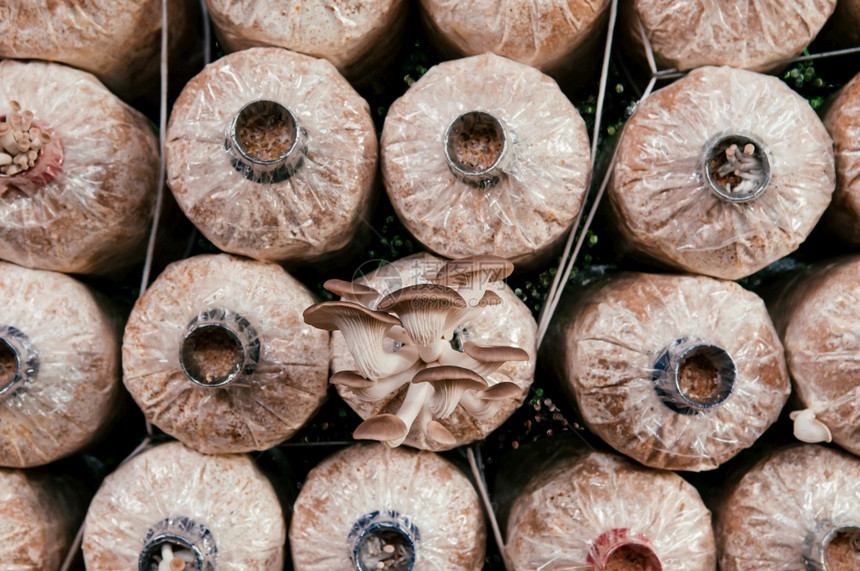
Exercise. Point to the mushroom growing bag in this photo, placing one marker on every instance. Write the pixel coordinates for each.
(600, 511)
(818, 317)
(677, 372)
(843, 124)
(59, 366)
(686, 34)
(118, 41)
(675, 194)
(485, 155)
(549, 36)
(216, 354)
(213, 512)
(39, 516)
(437, 413)
(85, 204)
(359, 37)
(272, 155)
(799, 508)
(371, 507)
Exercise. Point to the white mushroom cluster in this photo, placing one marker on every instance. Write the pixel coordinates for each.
(21, 142)
(744, 165)
(408, 337)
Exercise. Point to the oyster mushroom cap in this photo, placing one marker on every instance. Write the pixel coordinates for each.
(494, 353)
(501, 391)
(351, 291)
(424, 311)
(483, 268)
(382, 427)
(440, 434)
(350, 379)
(459, 315)
(471, 276)
(449, 384)
(809, 429)
(364, 333)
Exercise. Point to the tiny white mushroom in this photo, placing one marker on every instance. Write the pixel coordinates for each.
(5, 159)
(809, 429)
(364, 331)
(449, 384)
(26, 120)
(423, 309)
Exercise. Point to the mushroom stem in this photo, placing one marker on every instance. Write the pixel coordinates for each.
(416, 397)
(809, 429)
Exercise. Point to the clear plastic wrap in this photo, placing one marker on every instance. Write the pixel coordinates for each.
(721, 173)
(485, 155)
(509, 324)
(677, 372)
(843, 123)
(276, 203)
(818, 318)
(546, 35)
(360, 37)
(59, 366)
(797, 509)
(86, 205)
(172, 502)
(216, 354)
(39, 516)
(600, 511)
(118, 41)
(685, 34)
(358, 504)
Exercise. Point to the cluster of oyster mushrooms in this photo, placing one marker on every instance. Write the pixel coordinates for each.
(409, 337)
(20, 141)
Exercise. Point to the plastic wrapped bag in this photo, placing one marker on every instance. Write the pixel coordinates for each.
(817, 316)
(39, 516)
(214, 512)
(799, 508)
(550, 36)
(59, 366)
(359, 37)
(674, 192)
(677, 372)
(484, 155)
(843, 124)
(272, 155)
(599, 511)
(508, 324)
(118, 41)
(372, 507)
(86, 205)
(216, 354)
(686, 34)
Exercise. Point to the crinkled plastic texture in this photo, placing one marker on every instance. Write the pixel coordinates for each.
(544, 172)
(544, 35)
(843, 124)
(39, 516)
(315, 211)
(605, 348)
(508, 324)
(775, 513)
(255, 411)
(420, 487)
(118, 41)
(565, 510)
(94, 216)
(686, 34)
(666, 209)
(360, 37)
(817, 317)
(72, 396)
(226, 494)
